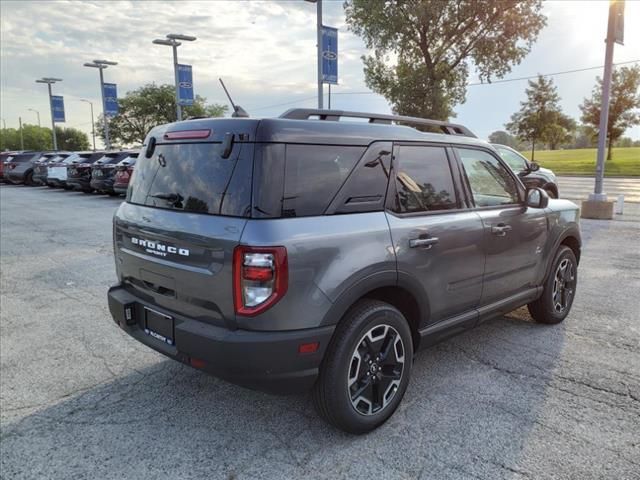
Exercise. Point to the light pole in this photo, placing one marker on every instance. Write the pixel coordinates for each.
(172, 41)
(37, 113)
(319, 48)
(93, 129)
(49, 81)
(101, 65)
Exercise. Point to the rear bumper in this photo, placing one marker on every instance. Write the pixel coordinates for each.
(120, 188)
(56, 182)
(104, 185)
(267, 361)
(79, 183)
(15, 178)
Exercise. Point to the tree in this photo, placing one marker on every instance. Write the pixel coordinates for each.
(148, 106)
(39, 138)
(540, 118)
(504, 138)
(435, 43)
(624, 100)
(71, 139)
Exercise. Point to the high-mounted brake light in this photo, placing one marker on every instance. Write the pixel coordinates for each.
(187, 134)
(260, 278)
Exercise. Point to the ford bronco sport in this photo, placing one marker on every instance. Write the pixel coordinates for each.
(309, 251)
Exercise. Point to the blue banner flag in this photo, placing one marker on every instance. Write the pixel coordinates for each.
(329, 55)
(185, 85)
(110, 99)
(57, 107)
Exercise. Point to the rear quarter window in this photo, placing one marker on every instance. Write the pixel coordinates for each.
(313, 175)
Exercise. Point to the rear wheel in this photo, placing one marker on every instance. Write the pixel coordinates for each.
(366, 368)
(28, 179)
(554, 304)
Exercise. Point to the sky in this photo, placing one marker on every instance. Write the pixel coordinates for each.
(265, 52)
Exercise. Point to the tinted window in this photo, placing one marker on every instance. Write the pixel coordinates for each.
(22, 157)
(191, 177)
(491, 183)
(423, 180)
(515, 161)
(366, 186)
(313, 175)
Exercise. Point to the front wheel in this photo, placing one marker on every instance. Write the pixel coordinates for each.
(554, 304)
(366, 368)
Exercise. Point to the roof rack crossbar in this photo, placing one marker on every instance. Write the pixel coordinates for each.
(335, 115)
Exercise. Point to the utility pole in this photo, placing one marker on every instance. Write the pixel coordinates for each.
(49, 81)
(172, 41)
(93, 129)
(37, 113)
(21, 137)
(597, 205)
(101, 65)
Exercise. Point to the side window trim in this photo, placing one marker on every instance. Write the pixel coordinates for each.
(392, 191)
(519, 187)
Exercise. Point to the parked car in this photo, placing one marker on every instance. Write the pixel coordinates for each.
(310, 252)
(41, 166)
(57, 172)
(124, 170)
(79, 172)
(103, 171)
(4, 156)
(531, 174)
(18, 168)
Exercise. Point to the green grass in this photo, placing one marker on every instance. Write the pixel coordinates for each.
(624, 161)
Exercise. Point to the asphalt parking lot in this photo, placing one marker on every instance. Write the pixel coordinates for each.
(510, 399)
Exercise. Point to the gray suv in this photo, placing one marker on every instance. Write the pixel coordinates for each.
(313, 252)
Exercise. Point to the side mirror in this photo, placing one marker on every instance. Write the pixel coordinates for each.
(537, 198)
(533, 167)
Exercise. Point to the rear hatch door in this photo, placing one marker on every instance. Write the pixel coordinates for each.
(185, 211)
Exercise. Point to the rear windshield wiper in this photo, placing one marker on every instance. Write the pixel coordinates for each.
(169, 197)
(174, 199)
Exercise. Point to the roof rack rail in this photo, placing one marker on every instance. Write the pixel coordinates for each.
(335, 115)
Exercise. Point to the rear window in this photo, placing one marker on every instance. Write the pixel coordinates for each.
(194, 177)
(313, 175)
(23, 157)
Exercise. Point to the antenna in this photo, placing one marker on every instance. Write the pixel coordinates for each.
(238, 111)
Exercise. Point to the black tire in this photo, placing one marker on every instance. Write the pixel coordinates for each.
(28, 179)
(87, 190)
(554, 304)
(346, 369)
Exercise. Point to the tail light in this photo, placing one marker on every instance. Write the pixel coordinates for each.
(260, 278)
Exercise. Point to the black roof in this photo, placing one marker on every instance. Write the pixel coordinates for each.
(326, 129)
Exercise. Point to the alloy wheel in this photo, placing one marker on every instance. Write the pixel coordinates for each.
(563, 285)
(376, 369)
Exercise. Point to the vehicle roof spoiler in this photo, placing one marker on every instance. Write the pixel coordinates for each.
(335, 115)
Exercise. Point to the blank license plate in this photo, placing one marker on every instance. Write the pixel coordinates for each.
(159, 326)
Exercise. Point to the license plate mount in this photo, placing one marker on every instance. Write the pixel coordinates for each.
(159, 326)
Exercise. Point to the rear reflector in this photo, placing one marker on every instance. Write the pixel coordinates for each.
(308, 347)
(197, 363)
(187, 134)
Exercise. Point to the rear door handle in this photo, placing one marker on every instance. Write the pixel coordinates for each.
(501, 229)
(426, 243)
